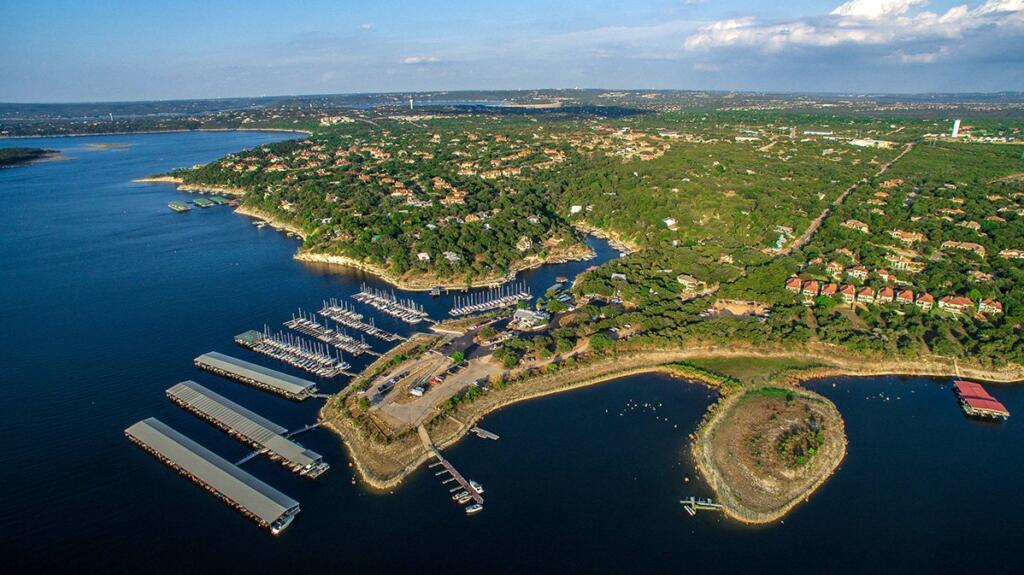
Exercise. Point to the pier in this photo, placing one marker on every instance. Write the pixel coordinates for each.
(345, 316)
(252, 497)
(306, 323)
(314, 357)
(448, 469)
(388, 303)
(484, 434)
(692, 505)
(493, 299)
(256, 375)
(265, 436)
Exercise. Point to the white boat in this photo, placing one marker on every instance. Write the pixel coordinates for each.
(281, 524)
(476, 487)
(460, 495)
(474, 508)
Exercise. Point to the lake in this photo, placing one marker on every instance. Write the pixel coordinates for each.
(108, 296)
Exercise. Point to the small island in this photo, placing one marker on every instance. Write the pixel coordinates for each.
(766, 450)
(10, 157)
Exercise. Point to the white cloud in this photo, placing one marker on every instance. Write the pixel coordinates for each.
(368, 26)
(873, 9)
(413, 60)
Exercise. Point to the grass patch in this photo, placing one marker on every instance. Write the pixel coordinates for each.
(752, 370)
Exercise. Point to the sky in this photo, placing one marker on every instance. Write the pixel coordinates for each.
(102, 50)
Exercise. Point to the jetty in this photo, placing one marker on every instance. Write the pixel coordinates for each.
(497, 298)
(388, 303)
(307, 324)
(484, 434)
(342, 314)
(692, 505)
(256, 376)
(265, 436)
(314, 357)
(258, 501)
(446, 468)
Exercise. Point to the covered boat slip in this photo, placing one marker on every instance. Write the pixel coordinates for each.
(265, 435)
(256, 375)
(268, 506)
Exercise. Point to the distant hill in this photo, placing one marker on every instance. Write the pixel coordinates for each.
(16, 156)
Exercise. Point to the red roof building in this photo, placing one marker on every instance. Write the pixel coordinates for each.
(811, 288)
(885, 295)
(905, 297)
(848, 293)
(829, 290)
(866, 295)
(990, 306)
(794, 285)
(976, 401)
(925, 301)
(955, 304)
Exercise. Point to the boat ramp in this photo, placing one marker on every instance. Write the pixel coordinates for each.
(265, 436)
(253, 498)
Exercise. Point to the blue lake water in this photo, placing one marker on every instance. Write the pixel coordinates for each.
(108, 295)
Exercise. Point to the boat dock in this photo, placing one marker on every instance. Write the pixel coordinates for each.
(314, 357)
(307, 324)
(347, 317)
(264, 435)
(256, 375)
(388, 303)
(493, 299)
(484, 434)
(253, 498)
(462, 484)
(977, 402)
(692, 505)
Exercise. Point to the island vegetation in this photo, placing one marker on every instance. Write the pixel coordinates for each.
(18, 156)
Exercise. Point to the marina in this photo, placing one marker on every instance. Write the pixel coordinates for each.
(497, 298)
(265, 436)
(465, 490)
(253, 498)
(313, 357)
(306, 323)
(256, 376)
(388, 303)
(346, 316)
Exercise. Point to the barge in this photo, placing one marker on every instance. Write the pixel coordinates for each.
(258, 501)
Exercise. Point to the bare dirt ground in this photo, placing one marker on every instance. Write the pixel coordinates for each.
(764, 452)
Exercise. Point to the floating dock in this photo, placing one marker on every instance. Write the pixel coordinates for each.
(388, 303)
(256, 375)
(255, 499)
(692, 505)
(203, 203)
(306, 323)
(179, 206)
(313, 357)
(490, 300)
(447, 468)
(977, 402)
(265, 436)
(347, 317)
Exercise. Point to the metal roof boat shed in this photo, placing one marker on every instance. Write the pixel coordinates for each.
(254, 498)
(256, 375)
(241, 423)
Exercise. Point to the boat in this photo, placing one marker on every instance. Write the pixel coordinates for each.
(460, 495)
(435, 291)
(561, 279)
(476, 487)
(474, 508)
(179, 206)
(281, 524)
(464, 499)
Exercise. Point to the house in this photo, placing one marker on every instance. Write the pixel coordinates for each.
(905, 297)
(530, 319)
(811, 289)
(908, 237)
(689, 282)
(856, 225)
(829, 290)
(866, 295)
(452, 256)
(619, 277)
(848, 293)
(1012, 254)
(575, 209)
(886, 276)
(885, 295)
(794, 284)
(524, 244)
(858, 272)
(955, 304)
(670, 223)
(991, 307)
(966, 246)
(423, 256)
(835, 269)
(925, 301)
